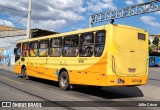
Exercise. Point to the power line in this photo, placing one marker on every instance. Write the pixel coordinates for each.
(25, 3)
(15, 9)
(20, 3)
(20, 19)
(9, 26)
(12, 9)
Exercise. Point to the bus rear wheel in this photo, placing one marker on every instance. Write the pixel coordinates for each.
(24, 74)
(63, 81)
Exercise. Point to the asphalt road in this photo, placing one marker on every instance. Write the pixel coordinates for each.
(15, 88)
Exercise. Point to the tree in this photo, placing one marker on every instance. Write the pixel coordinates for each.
(149, 42)
(156, 41)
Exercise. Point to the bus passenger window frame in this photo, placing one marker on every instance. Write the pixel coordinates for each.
(47, 40)
(51, 47)
(101, 43)
(18, 47)
(89, 46)
(25, 49)
(34, 48)
(75, 47)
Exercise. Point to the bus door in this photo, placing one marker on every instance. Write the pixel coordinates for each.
(17, 54)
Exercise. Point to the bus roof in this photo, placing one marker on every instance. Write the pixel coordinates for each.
(78, 32)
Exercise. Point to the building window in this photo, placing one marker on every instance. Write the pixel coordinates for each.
(86, 44)
(33, 49)
(25, 49)
(71, 45)
(43, 48)
(99, 43)
(56, 47)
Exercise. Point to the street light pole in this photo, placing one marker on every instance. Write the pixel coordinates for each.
(29, 20)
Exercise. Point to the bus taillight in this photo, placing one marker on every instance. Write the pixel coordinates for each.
(113, 64)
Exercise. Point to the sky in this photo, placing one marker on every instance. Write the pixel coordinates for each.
(69, 15)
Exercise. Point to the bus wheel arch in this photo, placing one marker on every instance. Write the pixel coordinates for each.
(24, 73)
(63, 79)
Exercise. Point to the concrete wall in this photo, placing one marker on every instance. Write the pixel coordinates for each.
(8, 41)
(12, 33)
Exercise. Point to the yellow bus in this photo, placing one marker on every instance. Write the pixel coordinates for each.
(109, 55)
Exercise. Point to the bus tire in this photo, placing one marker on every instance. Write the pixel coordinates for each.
(63, 81)
(24, 74)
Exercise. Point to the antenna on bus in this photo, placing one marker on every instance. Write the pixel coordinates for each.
(138, 9)
(112, 21)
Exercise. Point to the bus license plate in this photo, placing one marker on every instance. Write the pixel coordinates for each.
(136, 80)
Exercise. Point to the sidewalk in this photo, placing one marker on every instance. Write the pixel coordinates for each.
(5, 67)
(154, 69)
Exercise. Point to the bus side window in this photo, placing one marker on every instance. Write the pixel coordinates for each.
(17, 51)
(43, 48)
(99, 43)
(25, 49)
(33, 46)
(56, 47)
(71, 46)
(86, 44)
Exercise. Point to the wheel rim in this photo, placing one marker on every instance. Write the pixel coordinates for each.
(24, 74)
(63, 81)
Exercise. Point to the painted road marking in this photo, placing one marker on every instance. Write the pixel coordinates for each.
(10, 80)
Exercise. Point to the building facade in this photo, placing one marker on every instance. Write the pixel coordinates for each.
(8, 38)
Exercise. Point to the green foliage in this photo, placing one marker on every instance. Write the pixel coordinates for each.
(155, 41)
(149, 42)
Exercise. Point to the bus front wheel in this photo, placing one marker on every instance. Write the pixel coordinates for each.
(24, 74)
(64, 81)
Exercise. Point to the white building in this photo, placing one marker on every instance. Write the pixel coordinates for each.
(9, 36)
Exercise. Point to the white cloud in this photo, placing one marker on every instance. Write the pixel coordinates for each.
(157, 13)
(132, 2)
(150, 21)
(129, 2)
(140, 1)
(56, 14)
(49, 24)
(97, 5)
(6, 23)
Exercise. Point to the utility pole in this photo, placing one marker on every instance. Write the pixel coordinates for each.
(29, 20)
